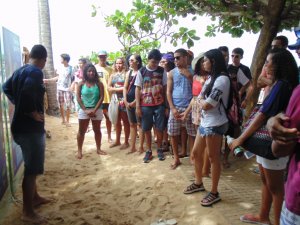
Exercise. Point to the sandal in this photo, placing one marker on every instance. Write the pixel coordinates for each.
(194, 188)
(248, 218)
(210, 199)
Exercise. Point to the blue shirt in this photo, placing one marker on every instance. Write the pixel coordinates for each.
(182, 89)
(277, 100)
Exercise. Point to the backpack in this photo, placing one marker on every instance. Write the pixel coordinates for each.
(233, 109)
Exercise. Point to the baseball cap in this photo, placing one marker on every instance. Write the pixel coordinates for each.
(295, 46)
(102, 52)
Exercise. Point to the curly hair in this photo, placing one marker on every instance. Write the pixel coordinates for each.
(124, 65)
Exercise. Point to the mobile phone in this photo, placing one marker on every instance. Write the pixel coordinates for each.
(248, 154)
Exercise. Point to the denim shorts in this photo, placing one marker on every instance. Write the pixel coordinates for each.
(153, 115)
(209, 131)
(287, 217)
(131, 115)
(33, 151)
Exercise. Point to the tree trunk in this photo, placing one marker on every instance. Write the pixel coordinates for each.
(46, 40)
(272, 18)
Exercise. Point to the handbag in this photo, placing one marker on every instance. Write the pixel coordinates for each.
(260, 143)
(113, 109)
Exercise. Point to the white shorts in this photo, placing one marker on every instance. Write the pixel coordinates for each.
(276, 164)
(83, 116)
(287, 217)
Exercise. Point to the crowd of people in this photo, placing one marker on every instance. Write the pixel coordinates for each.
(182, 101)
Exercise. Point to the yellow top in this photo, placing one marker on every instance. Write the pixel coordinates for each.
(104, 74)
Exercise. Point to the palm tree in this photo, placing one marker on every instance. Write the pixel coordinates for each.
(45, 39)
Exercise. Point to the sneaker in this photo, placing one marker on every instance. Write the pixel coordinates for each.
(160, 154)
(148, 156)
(194, 188)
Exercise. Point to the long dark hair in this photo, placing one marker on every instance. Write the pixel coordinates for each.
(218, 67)
(95, 79)
(285, 66)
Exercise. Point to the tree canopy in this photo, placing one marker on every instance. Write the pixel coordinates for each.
(152, 20)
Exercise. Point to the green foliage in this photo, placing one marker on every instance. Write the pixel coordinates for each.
(151, 21)
(147, 23)
(112, 56)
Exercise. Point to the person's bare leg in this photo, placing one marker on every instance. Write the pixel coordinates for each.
(118, 127)
(108, 125)
(206, 164)
(148, 139)
(198, 152)
(275, 184)
(183, 138)
(159, 135)
(83, 125)
(62, 113)
(142, 140)
(39, 200)
(133, 135)
(174, 143)
(68, 116)
(126, 126)
(266, 200)
(214, 144)
(191, 141)
(29, 191)
(98, 136)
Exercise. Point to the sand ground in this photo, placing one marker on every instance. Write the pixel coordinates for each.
(119, 189)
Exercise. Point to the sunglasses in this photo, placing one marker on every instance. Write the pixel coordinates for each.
(235, 56)
(177, 57)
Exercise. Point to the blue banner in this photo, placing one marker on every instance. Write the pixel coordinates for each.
(3, 167)
(12, 61)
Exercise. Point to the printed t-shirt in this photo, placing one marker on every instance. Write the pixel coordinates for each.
(64, 78)
(151, 83)
(216, 116)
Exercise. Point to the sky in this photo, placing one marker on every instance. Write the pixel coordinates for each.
(75, 32)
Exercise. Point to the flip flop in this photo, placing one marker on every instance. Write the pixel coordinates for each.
(35, 220)
(249, 218)
(165, 222)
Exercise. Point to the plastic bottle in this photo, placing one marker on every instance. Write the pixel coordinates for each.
(238, 151)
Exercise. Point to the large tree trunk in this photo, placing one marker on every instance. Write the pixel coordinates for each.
(46, 40)
(269, 30)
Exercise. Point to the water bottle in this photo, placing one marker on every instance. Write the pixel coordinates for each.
(238, 151)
